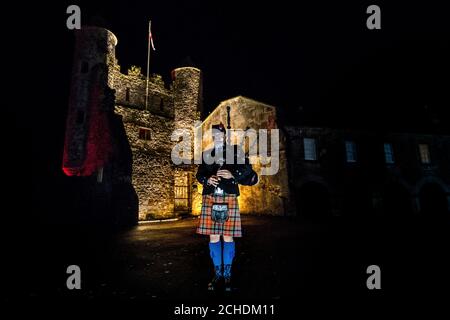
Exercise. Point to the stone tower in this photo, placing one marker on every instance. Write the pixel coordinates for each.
(96, 145)
(188, 105)
(187, 88)
(87, 140)
(114, 135)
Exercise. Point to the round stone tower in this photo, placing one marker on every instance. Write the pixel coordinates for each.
(188, 99)
(91, 98)
(93, 46)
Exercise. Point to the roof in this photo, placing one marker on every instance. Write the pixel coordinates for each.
(243, 99)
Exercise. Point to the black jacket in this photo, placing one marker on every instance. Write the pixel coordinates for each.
(243, 173)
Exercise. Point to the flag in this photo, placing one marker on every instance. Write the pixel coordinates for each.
(150, 37)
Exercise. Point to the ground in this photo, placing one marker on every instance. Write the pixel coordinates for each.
(279, 260)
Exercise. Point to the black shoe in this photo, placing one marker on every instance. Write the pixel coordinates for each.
(227, 277)
(215, 282)
(227, 284)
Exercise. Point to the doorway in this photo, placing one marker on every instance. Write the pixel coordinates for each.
(182, 201)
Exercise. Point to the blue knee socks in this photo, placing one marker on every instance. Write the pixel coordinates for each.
(228, 252)
(215, 251)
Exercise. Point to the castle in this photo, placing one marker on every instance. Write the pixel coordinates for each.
(124, 146)
(100, 93)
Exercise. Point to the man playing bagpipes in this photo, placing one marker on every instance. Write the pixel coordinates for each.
(220, 215)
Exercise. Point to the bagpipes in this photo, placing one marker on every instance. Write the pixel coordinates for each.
(244, 172)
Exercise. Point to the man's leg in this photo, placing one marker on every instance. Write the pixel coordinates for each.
(229, 250)
(215, 251)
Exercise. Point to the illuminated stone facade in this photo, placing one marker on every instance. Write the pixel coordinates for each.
(137, 178)
(163, 188)
(271, 194)
(149, 132)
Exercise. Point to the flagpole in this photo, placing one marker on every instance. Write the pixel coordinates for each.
(148, 62)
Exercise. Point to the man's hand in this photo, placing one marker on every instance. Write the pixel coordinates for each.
(213, 180)
(224, 174)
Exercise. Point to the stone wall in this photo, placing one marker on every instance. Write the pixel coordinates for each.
(131, 91)
(178, 106)
(89, 92)
(152, 166)
(96, 145)
(98, 84)
(362, 188)
(271, 194)
(153, 171)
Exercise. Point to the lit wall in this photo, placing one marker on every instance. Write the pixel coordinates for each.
(270, 195)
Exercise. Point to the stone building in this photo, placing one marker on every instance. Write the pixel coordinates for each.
(359, 174)
(163, 189)
(123, 143)
(271, 194)
(149, 131)
(147, 126)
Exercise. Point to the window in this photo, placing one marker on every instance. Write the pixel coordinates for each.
(144, 134)
(309, 146)
(388, 153)
(84, 67)
(127, 94)
(350, 151)
(424, 151)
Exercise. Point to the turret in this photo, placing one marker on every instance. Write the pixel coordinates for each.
(88, 140)
(188, 99)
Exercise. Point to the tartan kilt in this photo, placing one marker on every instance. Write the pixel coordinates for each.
(231, 227)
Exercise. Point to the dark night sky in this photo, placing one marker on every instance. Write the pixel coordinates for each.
(318, 63)
(319, 58)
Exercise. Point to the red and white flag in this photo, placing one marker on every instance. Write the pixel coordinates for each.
(150, 37)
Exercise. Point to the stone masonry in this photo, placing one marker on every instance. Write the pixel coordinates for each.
(113, 135)
(163, 188)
